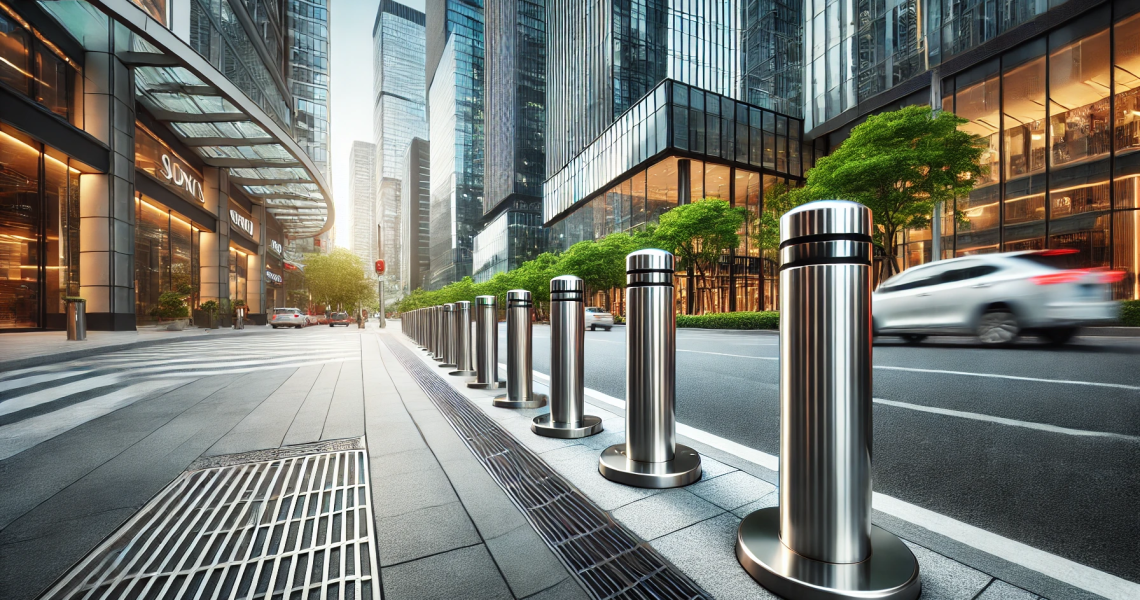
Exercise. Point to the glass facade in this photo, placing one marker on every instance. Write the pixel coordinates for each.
(39, 233)
(415, 206)
(362, 161)
(166, 256)
(457, 146)
(677, 118)
(772, 55)
(509, 240)
(36, 70)
(1060, 116)
(307, 70)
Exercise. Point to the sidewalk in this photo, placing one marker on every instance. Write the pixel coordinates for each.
(20, 350)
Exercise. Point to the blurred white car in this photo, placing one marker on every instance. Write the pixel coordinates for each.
(996, 297)
(288, 317)
(598, 317)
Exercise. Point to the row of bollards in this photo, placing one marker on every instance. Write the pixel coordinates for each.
(819, 543)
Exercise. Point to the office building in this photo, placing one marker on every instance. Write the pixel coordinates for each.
(172, 166)
(1054, 91)
(415, 207)
(514, 163)
(455, 107)
(362, 192)
(399, 115)
(772, 55)
(307, 70)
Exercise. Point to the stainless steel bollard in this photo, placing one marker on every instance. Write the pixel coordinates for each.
(650, 456)
(567, 418)
(447, 336)
(239, 320)
(440, 322)
(486, 345)
(461, 337)
(819, 542)
(77, 320)
(520, 357)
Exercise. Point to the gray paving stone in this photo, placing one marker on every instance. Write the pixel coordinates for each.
(346, 411)
(768, 501)
(579, 465)
(944, 578)
(732, 490)
(613, 432)
(424, 532)
(710, 468)
(310, 420)
(665, 513)
(1000, 590)
(520, 428)
(269, 422)
(706, 553)
(405, 493)
(568, 589)
(488, 505)
(526, 561)
(397, 463)
(467, 573)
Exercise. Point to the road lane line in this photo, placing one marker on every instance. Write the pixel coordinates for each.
(1005, 421)
(732, 355)
(1119, 386)
(1050, 565)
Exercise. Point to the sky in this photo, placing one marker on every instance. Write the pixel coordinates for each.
(350, 34)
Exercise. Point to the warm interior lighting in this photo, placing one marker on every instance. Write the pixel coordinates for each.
(9, 63)
(22, 143)
(60, 162)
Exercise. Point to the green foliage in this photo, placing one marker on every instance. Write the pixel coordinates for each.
(1130, 313)
(74, 299)
(731, 320)
(700, 232)
(601, 264)
(900, 164)
(209, 307)
(778, 199)
(171, 305)
(338, 279)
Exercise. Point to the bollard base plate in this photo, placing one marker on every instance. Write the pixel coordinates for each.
(543, 425)
(494, 385)
(536, 401)
(461, 373)
(891, 572)
(685, 468)
(445, 365)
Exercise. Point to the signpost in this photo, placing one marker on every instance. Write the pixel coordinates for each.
(380, 288)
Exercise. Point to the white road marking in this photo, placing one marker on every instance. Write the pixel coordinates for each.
(1050, 565)
(1119, 386)
(732, 355)
(1005, 421)
(13, 384)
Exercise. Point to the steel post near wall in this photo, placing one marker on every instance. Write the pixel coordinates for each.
(819, 542)
(567, 418)
(461, 336)
(486, 345)
(520, 357)
(447, 336)
(650, 456)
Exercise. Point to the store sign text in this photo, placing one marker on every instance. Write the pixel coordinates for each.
(275, 246)
(274, 277)
(175, 175)
(241, 222)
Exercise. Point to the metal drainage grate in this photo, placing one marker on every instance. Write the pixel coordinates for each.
(295, 527)
(607, 559)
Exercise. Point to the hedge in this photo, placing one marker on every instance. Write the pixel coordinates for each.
(1130, 313)
(731, 320)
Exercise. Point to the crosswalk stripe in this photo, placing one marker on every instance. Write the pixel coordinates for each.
(15, 384)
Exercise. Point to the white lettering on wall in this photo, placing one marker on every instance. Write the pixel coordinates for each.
(275, 246)
(274, 277)
(175, 175)
(241, 222)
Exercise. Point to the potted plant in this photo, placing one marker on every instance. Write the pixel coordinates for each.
(172, 307)
(225, 312)
(210, 309)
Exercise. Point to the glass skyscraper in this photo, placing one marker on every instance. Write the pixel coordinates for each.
(361, 190)
(455, 105)
(415, 207)
(772, 55)
(307, 69)
(515, 97)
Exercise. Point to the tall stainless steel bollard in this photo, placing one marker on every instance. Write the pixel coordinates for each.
(448, 336)
(520, 367)
(438, 338)
(650, 456)
(819, 542)
(567, 418)
(461, 337)
(486, 345)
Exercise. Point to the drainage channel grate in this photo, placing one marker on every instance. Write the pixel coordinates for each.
(607, 559)
(291, 523)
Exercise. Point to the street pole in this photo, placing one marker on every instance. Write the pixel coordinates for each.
(380, 293)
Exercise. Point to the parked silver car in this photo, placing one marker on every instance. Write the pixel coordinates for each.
(996, 297)
(598, 317)
(288, 317)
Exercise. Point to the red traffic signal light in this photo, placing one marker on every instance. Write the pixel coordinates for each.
(380, 267)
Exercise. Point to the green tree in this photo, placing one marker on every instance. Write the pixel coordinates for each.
(900, 164)
(699, 233)
(779, 198)
(338, 279)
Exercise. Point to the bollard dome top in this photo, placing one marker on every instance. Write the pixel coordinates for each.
(567, 283)
(449, 307)
(650, 259)
(463, 304)
(484, 300)
(825, 217)
(518, 295)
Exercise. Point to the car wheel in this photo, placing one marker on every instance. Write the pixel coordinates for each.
(330, 324)
(998, 327)
(592, 328)
(1060, 335)
(913, 338)
(608, 328)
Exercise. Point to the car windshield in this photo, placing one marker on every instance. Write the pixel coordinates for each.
(284, 311)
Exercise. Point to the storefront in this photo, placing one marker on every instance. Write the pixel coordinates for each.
(274, 265)
(245, 283)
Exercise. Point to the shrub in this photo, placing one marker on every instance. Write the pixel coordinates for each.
(731, 320)
(1130, 313)
(209, 307)
(171, 305)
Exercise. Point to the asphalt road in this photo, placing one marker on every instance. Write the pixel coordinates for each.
(966, 431)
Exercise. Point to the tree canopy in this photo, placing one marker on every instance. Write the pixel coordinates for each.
(339, 279)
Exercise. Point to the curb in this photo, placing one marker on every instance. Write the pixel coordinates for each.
(32, 361)
(1118, 331)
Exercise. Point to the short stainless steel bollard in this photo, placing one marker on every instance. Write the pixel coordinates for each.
(650, 456)
(447, 336)
(486, 345)
(239, 318)
(520, 357)
(77, 320)
(819, 542)
(438, 339)
(461, 337)
(567, 418)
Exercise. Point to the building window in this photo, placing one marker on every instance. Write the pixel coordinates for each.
(166, 256)
(32, 68)
(1023, 85)
(239, 275)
